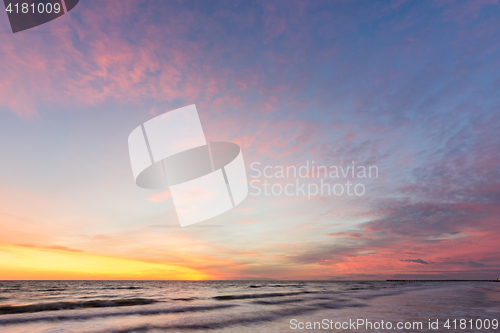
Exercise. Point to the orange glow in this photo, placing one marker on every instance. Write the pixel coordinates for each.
(32, 263)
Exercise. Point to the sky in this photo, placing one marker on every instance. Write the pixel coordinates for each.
(411, 87)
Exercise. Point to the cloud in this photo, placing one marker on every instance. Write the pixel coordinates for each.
(158, 197)
(475, 264)
(52, 247)
(466, 263)
(418, 261)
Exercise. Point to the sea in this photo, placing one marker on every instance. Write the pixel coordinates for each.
(248, 306)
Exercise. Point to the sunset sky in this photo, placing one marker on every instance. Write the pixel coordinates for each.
(412, 87)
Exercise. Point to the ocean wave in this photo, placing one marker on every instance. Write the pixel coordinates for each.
(279, 302)
(85, 316)
(251, 318)
(50, 289)
(263, 295)
(338, 305)
(276, 286)
(55, 306)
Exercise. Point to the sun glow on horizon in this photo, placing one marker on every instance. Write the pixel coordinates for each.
(32, 263)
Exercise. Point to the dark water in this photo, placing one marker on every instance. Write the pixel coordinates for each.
(241, 306)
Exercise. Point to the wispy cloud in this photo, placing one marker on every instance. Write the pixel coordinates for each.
(418, 261)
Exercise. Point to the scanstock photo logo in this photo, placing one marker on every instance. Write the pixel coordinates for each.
(26, 14)
(205, 179)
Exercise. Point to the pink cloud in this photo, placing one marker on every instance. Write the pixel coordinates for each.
(159, 197)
